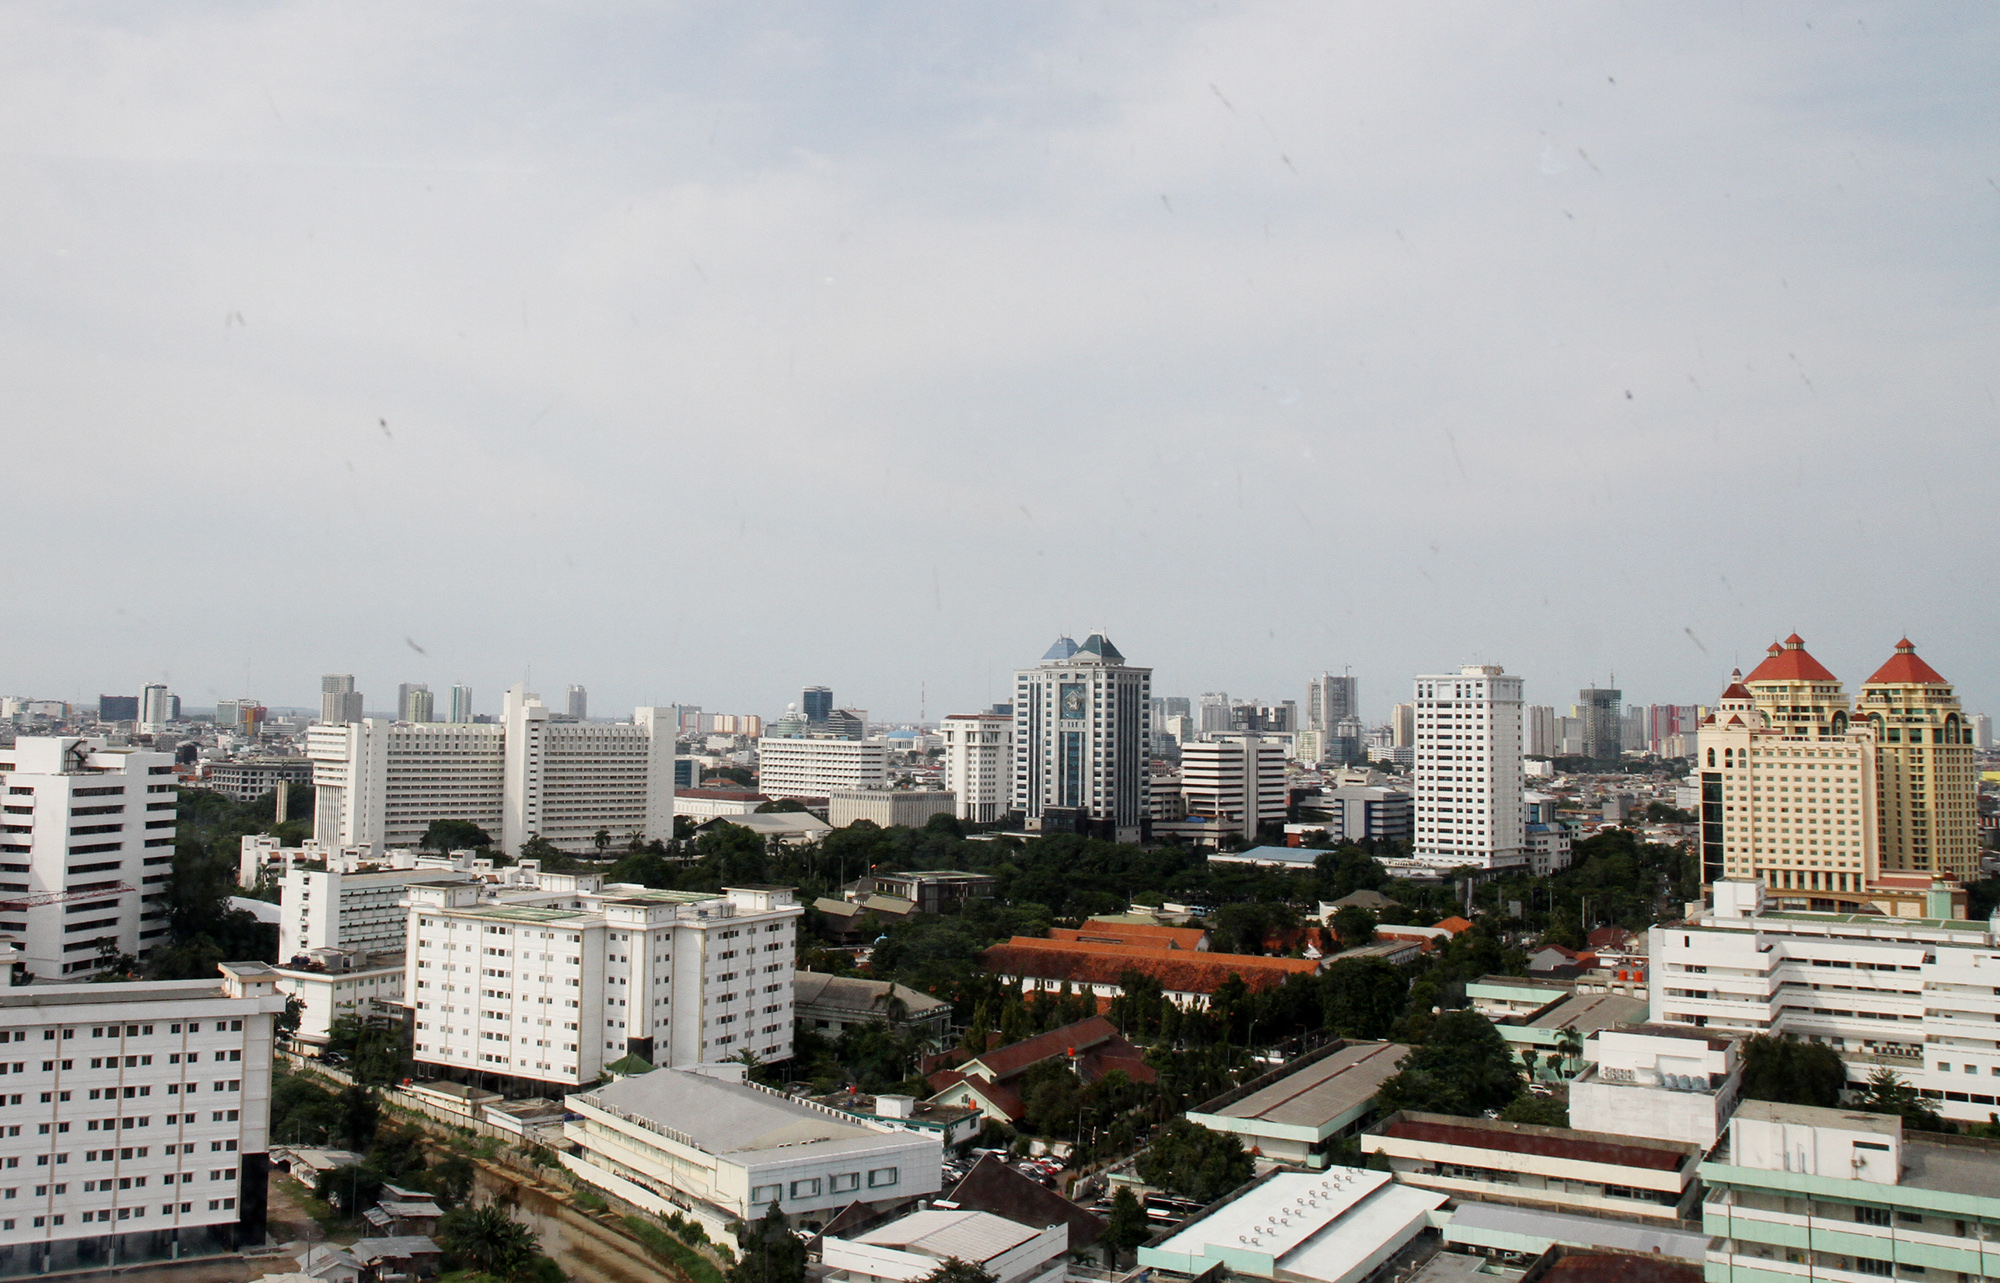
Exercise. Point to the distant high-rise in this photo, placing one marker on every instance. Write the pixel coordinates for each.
(1982, 732)
(1403, 726)
(339, 702)
(407, 704)
(1598, 709)
(1328, 699)
(1540, 734)
(156, 709)
(979, 764)
(1214, 717)
(1468, 769)
(1082, 731)
(461, 703)
(816, 702)
(117, 708)
(579, 703)
(423, 706)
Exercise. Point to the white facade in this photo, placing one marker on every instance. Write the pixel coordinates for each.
(1235, 780)
(380, 784)
(156, 706)
(136, 1119)
(820, 767)
(888, 808)
(1083, 735)
(567, 780)
(86, 845)
(1920, 996)
(367, 912)
(517, 986)
(336, 983)
(1468, 769)
(1679, 1085)
(979, 764)
(677, 1141)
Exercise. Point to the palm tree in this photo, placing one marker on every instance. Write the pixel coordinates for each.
(1528, 1059)
(601, 840)
(488, 1238)
(1570, 1043)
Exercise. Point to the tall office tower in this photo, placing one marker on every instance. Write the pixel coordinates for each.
(339, 702)
(979, 763)
(461, 704)
(843, 723)
(1212, 714)
(1328, 699)
(1234, 783)
(117, 708)
(816, 702)
(1347, 740)
(1632, 729)
(1403, 726)
(413, 699)
(1165, 706)
(1539, 735)
(168, 1185)
(1082, 728)
(229, 713)
(1982, 732)
(156, 709)
(89, 838)
(1597, 709)
(579, 703)
(1468, 769)
(1925, 784)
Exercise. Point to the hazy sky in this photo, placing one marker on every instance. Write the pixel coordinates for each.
(698, 352)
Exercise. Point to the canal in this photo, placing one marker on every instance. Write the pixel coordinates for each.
(586, 1250)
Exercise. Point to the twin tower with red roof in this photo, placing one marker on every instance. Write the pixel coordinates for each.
(1839, 805)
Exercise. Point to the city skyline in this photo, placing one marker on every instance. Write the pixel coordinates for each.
(1577, 340)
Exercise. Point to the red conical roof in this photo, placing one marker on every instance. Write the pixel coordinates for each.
(1790, 663)
(1905, 669)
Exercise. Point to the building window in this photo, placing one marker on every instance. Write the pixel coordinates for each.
(765, 1195)
(881, 1176)
(806, 1188)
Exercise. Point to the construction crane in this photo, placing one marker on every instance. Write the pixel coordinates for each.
(36, 899)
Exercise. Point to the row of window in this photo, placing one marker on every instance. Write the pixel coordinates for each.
(810, 1187)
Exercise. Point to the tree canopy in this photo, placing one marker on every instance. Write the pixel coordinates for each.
(1463, 1067)
(1787, 1071)
(1189, 1159)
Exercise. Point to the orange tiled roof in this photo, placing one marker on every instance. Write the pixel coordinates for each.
(1789, 662)
(1177, 970)
(1905, 669)
(1455, 924)
(1140, 935)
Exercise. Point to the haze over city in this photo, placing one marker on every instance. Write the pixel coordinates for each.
(696, 355)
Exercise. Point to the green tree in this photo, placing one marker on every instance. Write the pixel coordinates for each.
(1887, 1093)
(1361, 997)
(770, 1252)
(487, 1239)
(956, 1271)
(1127, 1226)
(1193, 1161)
(1463, 1067)
(454, 835)
(1354, 925)
(356, 1118)
(782, 806)
(1787, 1071)
(351, 1187)
(601, 840)
(1543, 1111)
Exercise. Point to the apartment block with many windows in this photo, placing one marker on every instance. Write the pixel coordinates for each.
(1467, 770)
(86, 845)
(541, 990)
(135, 1120)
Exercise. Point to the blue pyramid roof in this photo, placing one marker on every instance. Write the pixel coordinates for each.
(1063, 649)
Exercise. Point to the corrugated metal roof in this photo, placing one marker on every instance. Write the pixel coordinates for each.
(969, 1236)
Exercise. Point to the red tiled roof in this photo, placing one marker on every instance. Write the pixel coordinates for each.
(1177, 970)
(1137, 935)
(1003, 1063)
(1455, 924)
(1905, 669)
(1736, 691)
(1572, 1148)
(1619, 1267)
(1790, 662)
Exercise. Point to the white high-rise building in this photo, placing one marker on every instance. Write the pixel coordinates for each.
(380, 784)
(1468, 769)
(461, 704)
(1328, 699)
(1539, 733)
(979, 764)
(413, 702)
(788, 767)
(1982, 732)
(1082, 735)
(1212, 712)
(138, 1119)
(549, 988)
(339, 702)
(567, 780)
(85, 848)
(156, 709)
(1236, 781)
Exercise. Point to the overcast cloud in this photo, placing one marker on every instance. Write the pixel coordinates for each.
(698, 352)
